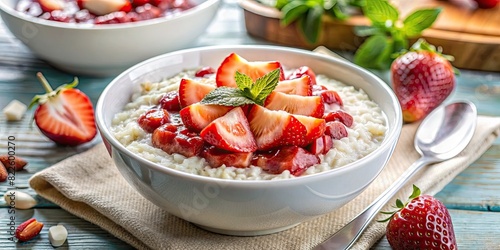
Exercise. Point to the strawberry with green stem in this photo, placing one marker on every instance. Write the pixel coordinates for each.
(422, 223)
(65, 115)
(422, 79)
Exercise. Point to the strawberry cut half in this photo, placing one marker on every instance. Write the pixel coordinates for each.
(295, 104)
(64, 115)
(197, 116)
(230, 132)
(275, 128)
(235, 63)
(191, 91)
(299, 86)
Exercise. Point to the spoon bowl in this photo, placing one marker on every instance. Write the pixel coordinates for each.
(442, 135)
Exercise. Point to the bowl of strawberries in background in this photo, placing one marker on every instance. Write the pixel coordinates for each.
(103, 38)
(200, 133)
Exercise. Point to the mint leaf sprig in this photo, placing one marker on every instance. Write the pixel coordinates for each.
(247, 91)
(308, 13)
(388, 35)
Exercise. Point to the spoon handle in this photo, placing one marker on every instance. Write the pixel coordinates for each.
(346, 236)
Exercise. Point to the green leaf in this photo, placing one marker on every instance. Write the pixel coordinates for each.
(415, 193)
(311, 23)
(226, 96)
(280, 4)
(375, 52)
(292, 11)
(265, 85)
(420, 20)
(399, 203)
(380, 11)
(243, 81)
(363, 31)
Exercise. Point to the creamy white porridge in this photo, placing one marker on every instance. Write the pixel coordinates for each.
(364, 136)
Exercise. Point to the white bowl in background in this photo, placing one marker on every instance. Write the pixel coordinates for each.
(107, 50)
(246, 207)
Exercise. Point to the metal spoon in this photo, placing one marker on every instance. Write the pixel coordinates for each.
(442, 135)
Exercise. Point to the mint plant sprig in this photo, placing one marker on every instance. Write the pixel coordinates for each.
(247, 91)
(388, 35)
(308, 13)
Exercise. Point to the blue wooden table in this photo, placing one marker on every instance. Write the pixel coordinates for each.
(473, 197)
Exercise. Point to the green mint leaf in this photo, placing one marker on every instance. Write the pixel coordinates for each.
(375, 52)
(292, 11)
(265, 85)
(420, 20)
(380, 12)
(311, 23)
(363, 31)
(226, 96)
(243, 81)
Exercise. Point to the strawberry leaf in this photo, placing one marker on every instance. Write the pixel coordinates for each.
(420, 20)
(415, 193)
(226, 96)
(399, 204)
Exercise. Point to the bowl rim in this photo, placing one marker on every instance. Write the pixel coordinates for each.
(7, 8)
(389, 142)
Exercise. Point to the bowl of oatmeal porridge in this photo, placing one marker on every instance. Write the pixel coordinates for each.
(250, 165)
(102, 38)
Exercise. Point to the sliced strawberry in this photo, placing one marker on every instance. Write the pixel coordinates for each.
(321, 145)
(233, 63)
(299, 86)
(340, 116)
(315, 127)
(197, 116)
(100, 7)
(336, 130)
(170, 101)
(65, 115)
(51, 5)
(170, 139)
(153, 118)
(292, 158)
(191, 91)
(275, 128)
(295, 104)
(230, 132)
(217, 157)
(329, 97)
(301, 71)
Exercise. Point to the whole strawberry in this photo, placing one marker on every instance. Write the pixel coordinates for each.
(422, 223)
(422, 79)
(64, 115)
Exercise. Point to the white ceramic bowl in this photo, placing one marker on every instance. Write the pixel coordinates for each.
(104, 50)
(245, 207)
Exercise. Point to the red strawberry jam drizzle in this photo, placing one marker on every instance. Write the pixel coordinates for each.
(72, 13)
(173, 136)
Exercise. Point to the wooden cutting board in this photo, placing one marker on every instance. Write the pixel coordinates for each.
(469, 34)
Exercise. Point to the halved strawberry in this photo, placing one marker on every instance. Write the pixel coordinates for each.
(315, 127)
(233, 63)
(230, 132)
(64, 115)
(51, 5)
(275, 128)
(301, 71)
(197, 116)
(295, 104)
(299, 86)
(100, 7)
(191, 91)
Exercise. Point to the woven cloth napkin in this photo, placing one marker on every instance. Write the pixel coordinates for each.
(89, 186)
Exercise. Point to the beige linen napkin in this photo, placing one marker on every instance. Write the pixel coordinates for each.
(89, 186)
